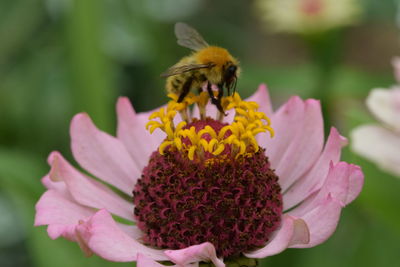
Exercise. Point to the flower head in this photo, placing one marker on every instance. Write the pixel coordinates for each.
(307, 16)
(205, 187)
(208, 176)
(381, 143)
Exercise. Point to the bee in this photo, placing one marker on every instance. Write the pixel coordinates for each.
(207, 65)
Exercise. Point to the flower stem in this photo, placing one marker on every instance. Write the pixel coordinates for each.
(91, 87)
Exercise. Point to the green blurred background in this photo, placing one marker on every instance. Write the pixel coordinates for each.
(61, 57)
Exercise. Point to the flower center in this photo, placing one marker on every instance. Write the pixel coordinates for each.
(209, 180)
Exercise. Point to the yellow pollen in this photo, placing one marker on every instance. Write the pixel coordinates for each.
(239, 135)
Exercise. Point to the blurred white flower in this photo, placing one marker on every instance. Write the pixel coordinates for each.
(308, 16)
(380, 143)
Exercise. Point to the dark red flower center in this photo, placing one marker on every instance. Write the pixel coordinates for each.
(234, 203)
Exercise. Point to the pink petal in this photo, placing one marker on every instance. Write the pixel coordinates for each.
(298, 139)
(131, 230)
(344, 183)
(87, 191)
(321, 211)
(261, 96)
(56, 185)
(132, 132)
(104, 237)
(293, 231)
(356, 182)
(288, 115)
(143, 261)
(314, 179)
(61, 214)
(379, 145)
(321, 221)
(203, 252)
(102, 155)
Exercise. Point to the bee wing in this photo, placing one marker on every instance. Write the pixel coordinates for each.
(174, 70)
(189, 37)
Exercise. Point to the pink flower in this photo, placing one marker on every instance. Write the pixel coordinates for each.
(315, 185)
(380, 143)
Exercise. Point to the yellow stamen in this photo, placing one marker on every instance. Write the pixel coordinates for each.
(208, 130)
(240, 126)
(231, 139)
(243, 120)
(204, 144)
(178, 143)
(154, 127)
(257, 131)
(181, 125)
(223, 131)
(239, 134)
(219, 150)
(163, 146)
(211, 145)
(191, 152)
(168, 130)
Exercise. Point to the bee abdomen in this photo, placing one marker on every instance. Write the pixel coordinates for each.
(174, 84)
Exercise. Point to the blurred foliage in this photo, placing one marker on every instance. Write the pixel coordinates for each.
(61, 57)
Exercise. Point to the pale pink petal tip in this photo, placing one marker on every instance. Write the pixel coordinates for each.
(356, 183)
(321, 211)
(203, 252)
(293, 231)
(85, 190)
(105, 238)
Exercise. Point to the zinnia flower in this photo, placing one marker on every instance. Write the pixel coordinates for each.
(207, 188)
(307, 16)
(380, 143)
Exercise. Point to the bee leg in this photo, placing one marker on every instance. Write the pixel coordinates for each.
(216, 101)
(202, 107)
(185, 89)
(210, 93)
(229, 89)
(219, 99)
